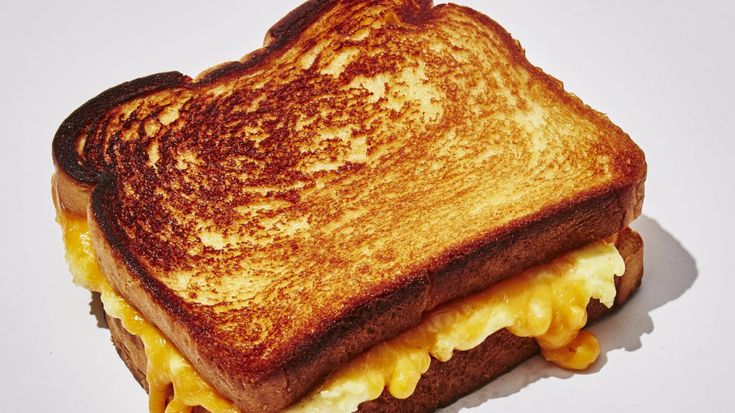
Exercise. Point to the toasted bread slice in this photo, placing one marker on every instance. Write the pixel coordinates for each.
(445, 382)
(278, 215)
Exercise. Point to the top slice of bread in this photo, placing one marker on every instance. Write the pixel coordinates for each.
(280, 214)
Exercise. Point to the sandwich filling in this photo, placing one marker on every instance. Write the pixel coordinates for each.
(547, 302)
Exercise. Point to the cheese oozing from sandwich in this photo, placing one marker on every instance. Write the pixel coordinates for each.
(166, 367)
(547, 302)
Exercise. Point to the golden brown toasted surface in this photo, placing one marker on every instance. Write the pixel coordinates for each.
(263, 214)
(466, 371)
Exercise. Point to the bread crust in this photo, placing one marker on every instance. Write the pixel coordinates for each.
(471, 267)
(466, 371)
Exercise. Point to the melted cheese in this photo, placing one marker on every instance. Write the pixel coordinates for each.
(547, 302)
(173, 384)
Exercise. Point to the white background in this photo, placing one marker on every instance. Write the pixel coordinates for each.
(662, 70)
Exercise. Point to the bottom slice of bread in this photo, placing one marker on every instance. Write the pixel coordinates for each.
(466, 371)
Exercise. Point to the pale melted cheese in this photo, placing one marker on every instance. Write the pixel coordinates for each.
(547, 302)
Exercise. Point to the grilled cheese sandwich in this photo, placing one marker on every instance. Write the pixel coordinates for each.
(360, 214)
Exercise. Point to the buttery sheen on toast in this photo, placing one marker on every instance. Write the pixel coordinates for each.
(279, 215)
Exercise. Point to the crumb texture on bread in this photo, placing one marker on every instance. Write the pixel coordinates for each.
(269, 216)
